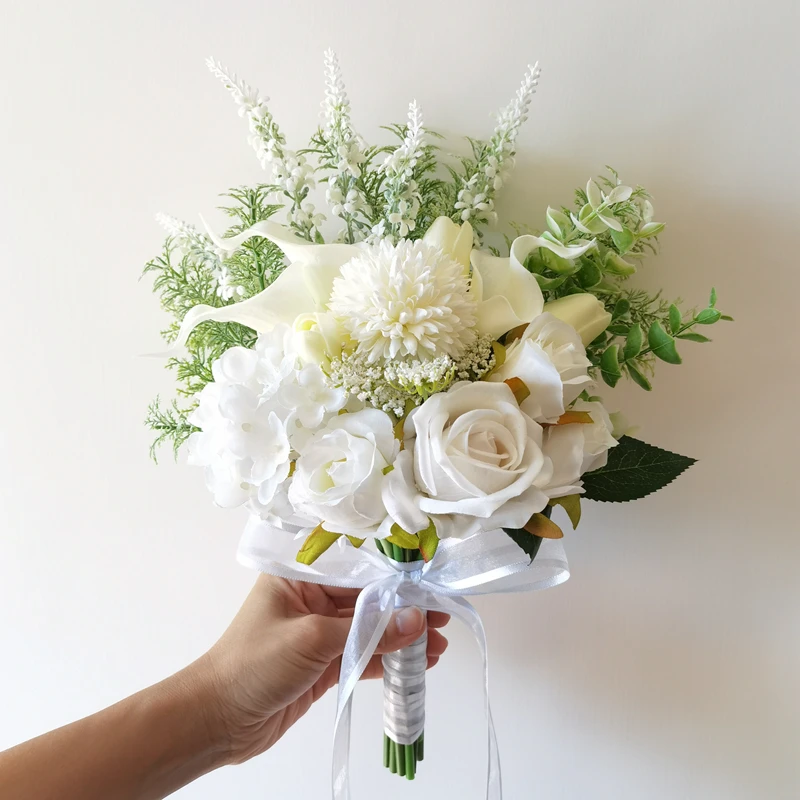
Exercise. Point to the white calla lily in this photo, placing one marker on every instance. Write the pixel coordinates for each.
(304, 287)
(508, 295)
(452, 239)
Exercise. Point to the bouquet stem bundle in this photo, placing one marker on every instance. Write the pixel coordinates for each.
(401, 759)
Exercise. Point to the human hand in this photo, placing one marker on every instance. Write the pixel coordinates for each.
(282, 652)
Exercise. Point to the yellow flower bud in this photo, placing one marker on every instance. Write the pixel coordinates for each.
(584, 312)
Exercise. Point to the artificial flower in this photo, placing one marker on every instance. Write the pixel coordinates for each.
(476, 454)
(584, 312)
(578, 448)
(338, 476)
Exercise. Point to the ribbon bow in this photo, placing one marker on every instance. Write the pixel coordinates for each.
(482, 564)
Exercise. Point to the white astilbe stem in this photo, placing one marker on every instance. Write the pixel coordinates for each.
(202, 251)
(476, 197)
(400, 187)
(345, 154)
(290, 171)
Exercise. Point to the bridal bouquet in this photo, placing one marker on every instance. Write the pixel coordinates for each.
(386, 378)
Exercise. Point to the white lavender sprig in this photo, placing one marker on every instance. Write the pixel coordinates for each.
(203, 251)
(400, 188)
(292, 174)
(496, 158)
(345, 153)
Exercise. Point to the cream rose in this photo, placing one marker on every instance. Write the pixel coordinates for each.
(338, 476)
(578, 448)
(477, 458)
(550, 360)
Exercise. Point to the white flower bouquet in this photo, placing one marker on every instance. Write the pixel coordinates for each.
(386, 377)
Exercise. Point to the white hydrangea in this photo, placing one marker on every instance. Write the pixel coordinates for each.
(403, 300)
(262, 407)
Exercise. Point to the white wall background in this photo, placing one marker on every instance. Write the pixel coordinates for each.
(668, 666)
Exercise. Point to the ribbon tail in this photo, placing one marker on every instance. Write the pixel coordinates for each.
(463, 610)
(371, 615)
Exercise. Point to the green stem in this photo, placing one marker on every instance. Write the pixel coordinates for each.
(386, 743)
(411, 763)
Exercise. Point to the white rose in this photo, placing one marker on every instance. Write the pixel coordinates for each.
(550, 360)
(477, 455)
(578, 447)
(338, 476)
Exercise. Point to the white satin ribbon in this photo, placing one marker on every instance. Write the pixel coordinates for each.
(482, 564)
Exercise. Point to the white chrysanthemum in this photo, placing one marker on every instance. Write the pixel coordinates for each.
(406, 299)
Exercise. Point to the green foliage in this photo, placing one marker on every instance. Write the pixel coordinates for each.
(169, 424)
(634, 470)
(604, 271)
(529, 542)
(186, 277)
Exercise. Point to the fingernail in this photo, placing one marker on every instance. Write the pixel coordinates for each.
(409, 620)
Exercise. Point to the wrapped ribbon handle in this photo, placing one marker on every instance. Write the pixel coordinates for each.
(482, 564)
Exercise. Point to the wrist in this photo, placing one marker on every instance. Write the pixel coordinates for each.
(195, 693)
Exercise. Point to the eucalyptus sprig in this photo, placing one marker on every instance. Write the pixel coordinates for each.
(628, 349)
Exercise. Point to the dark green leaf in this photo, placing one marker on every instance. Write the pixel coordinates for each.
(589, 275)
(708, 316)
(527, 541)
(609, 365)
(675, 318)
(662, 344)
(637, 377)
(619, 329)
(713, 301)
(634, 470)
(621, 308)
(633, 344)
(622, 240)
(727, 318)
(694, 337)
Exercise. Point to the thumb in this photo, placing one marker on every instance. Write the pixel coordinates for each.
(404, 628)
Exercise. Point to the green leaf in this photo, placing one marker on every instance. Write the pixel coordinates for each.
(650, 229)
(589, 275)
(617, 265)
(548, 284)
(635, 469)
(620, 329)
(557, 264)
(675, 318)
(694, 337)
(622, 240)
(633, 344)
(528, 541)
(609, 365)
(662, 344)
(638, 377)
(428, 542)
(355, 541)
(621, 308)
(708, 316)
(727, 317)
(401, 538)
(713, 301)
(318, 541)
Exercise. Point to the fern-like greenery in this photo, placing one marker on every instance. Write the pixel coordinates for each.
(183, 278)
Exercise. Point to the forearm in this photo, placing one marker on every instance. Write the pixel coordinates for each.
(143, 748)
